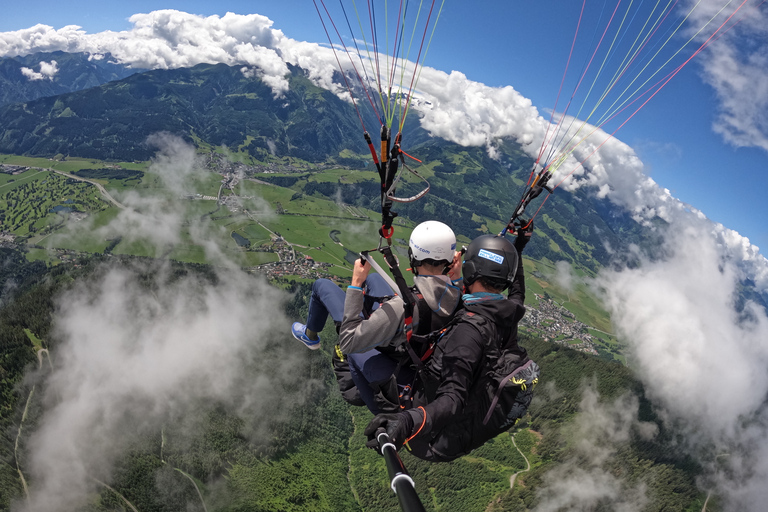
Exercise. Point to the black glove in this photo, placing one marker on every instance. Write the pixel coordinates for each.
(399, 427)
(523, 233)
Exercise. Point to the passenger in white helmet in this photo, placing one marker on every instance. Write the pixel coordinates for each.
(371, 336)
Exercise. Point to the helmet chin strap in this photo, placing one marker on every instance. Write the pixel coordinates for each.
(415, 264)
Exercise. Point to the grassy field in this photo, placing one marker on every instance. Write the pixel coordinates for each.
(36, 342)
(68, 164)
(264, 210)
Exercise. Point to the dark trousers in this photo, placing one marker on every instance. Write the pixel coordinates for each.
(371, 370)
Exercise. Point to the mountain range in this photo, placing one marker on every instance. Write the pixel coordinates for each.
(217, 104)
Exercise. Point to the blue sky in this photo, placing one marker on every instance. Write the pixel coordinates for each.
(525, 45)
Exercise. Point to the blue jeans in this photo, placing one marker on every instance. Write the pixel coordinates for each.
(373, 367)
(327, 298)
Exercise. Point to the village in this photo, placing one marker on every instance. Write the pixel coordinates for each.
(555, 323)
(290, 263)
(225, 166)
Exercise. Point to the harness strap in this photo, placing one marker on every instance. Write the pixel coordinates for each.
(402, 286)
(387, 174)
(392, 284)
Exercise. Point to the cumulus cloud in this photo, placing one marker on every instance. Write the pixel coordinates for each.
(175, 162)
(132, 358)
(701, 355)
(156, 220)
(473, 114)
(168, 39)
(47, 71)
(139, 349)
(736, 66)
(564, 276)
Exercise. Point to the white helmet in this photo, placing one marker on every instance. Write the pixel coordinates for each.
(431, 240)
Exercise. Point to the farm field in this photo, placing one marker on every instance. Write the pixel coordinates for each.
(54, 214)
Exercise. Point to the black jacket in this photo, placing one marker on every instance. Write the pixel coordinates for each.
(449, 393)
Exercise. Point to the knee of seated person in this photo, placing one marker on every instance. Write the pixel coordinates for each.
(322, 282)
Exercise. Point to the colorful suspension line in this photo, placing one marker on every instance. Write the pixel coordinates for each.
(539, 182)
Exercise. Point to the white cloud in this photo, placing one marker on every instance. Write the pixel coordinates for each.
(156, 219)
(43, 38)
(47, 71)
(703, 363)
(135, 355)
(132, 358)
(168, 39)
(736, 66)
(31, 74)
(473, 114)
(564, 276)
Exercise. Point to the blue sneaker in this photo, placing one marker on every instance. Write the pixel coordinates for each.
(299, 332)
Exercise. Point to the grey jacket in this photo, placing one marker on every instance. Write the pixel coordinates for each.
(385, 325)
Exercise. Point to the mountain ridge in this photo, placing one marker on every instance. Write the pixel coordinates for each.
(216, 103)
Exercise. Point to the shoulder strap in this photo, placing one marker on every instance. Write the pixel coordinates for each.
(425, 314)
(405, 292)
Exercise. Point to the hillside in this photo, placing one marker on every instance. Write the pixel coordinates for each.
(220, 107)
(216, 104)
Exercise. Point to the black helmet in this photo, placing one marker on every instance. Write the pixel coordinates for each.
(490, 256)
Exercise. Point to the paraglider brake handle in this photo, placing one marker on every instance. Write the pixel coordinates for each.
(516, 223)
(520, 223)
